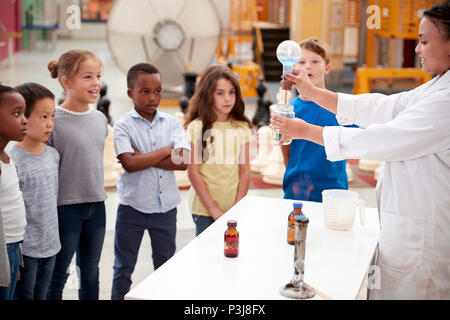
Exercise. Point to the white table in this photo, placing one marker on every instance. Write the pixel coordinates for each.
(336, 262)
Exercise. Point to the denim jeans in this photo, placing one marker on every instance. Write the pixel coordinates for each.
(81, 229)
(130, 227)
(7, 293)
(35, 278)
(201, 223)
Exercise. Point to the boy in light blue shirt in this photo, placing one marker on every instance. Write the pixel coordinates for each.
(145, 140)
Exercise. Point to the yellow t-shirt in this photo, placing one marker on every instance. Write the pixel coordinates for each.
(219, 167)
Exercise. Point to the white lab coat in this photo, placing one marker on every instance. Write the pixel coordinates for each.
(411, 132)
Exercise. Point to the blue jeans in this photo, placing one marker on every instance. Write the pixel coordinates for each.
(81, 229)
(201, 223)
(130, 227)
(7, 293)
(35, 278)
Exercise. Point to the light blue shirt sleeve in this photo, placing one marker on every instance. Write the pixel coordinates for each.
(122, 139)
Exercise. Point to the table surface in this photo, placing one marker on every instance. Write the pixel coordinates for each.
(336, 262)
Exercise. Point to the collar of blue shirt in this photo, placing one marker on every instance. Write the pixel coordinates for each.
(158, 115)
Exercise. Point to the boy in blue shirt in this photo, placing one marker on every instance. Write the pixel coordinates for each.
(308, 172)
(144, 141)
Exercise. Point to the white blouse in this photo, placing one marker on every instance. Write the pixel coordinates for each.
(11, 203)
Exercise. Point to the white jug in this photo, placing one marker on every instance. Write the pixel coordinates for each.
(339, 207)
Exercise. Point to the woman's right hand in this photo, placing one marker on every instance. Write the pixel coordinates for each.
(300, 78)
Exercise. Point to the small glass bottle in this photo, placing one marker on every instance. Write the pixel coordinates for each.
(291, 222)
(231, 237)
(285, 110)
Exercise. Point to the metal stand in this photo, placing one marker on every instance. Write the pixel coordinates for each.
(297, 289)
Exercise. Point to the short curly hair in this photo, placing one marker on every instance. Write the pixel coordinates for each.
(139, 68)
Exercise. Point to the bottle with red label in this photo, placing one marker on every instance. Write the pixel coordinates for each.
(231, 237)
(291, 222)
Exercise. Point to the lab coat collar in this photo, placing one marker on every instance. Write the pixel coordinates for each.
(437, 83)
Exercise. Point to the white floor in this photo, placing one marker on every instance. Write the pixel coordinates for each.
(32, 67)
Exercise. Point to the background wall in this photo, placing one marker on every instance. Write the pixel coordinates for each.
(11, 18)
(93, 30)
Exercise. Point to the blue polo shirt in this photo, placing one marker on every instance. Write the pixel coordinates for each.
(153, 189)
(308, 171)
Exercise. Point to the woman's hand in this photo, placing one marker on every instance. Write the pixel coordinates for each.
(296, 129)
(289, 128)
(300, 78)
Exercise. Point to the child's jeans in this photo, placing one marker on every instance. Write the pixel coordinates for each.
(81, 229)
(35, 278)
(201, 223)
(7, 293)
(130, 227)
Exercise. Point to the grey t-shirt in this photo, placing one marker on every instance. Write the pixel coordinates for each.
(80, 141)
(38, 181)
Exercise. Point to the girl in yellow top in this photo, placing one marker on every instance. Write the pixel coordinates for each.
(219, 133)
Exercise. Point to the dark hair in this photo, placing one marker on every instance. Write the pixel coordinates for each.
(32, 93)
(201, 105)
(69, 63)
(6, 89)
(139, 68)
(439, 15)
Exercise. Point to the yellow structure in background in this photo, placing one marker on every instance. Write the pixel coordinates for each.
(365, 76)
(249, 74)
(323, 19)
(243, 15)
(399, 19)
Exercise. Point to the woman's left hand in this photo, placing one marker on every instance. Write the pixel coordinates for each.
(289, 128)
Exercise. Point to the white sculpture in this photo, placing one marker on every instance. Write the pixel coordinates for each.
(264, 146)
(349, 172)
(368, 165)
(274, 172)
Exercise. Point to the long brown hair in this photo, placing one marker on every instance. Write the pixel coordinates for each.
(201, 105)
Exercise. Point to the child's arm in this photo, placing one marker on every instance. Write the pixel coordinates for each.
(168, 164)
(244, 172)
(286, 151)
(132, 162)
(180, 154)
(200, 187)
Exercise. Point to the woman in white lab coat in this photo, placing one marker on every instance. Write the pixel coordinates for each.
(411, 132)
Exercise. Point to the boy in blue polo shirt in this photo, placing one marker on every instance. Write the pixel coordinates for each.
(308, 172)
(144, 141)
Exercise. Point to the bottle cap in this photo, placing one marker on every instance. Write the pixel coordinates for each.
(301, 218)
(232, 223)
(298, 205)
